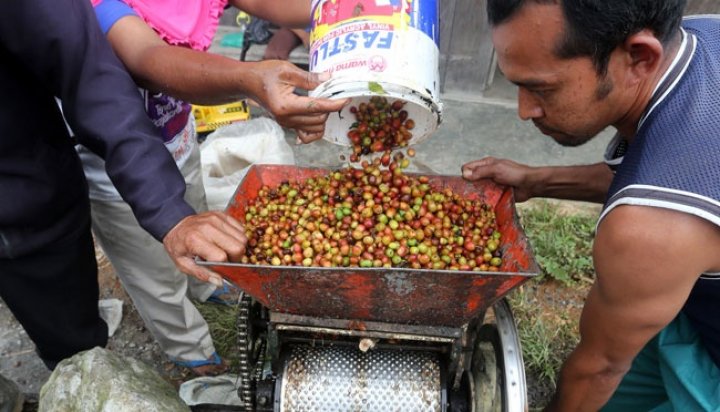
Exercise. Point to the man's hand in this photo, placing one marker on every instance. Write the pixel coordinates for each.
(588, 183)
(503, 172)
(213, 236)
(276, 81)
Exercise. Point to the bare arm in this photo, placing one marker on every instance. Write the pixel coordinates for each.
(205, 78)
(647, 261)
(587, 182)
(295, 13)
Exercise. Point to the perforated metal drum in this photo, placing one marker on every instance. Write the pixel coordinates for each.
(342, 378)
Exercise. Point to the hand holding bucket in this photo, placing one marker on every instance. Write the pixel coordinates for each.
(377, 48)
(275, 91)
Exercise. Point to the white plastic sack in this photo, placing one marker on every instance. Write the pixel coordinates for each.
(216, 390)
(228, 153)
(111, 311)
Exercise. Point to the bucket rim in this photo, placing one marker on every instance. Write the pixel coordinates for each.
(340, 87)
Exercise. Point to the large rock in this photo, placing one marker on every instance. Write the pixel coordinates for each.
(99, 380)
(11, 400)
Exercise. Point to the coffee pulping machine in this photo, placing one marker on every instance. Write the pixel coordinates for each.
(378, 339)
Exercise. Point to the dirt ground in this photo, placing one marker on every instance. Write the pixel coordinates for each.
(556, 305)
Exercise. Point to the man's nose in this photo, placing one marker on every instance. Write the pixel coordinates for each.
(528, 106)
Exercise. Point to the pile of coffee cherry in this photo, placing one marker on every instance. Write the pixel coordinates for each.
(379, 126)
(370, 217)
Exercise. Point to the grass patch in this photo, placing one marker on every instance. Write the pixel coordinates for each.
(222, 320)
(547, 309)
(562, 242)
(547, 336)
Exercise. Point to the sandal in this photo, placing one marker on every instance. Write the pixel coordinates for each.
(228, 295)
(212, 366)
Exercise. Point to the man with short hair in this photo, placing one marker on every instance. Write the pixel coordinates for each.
(650, 334)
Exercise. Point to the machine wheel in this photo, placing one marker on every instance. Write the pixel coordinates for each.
(486, 374)
(497, 372)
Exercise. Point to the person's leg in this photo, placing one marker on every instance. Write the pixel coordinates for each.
(674, 372)
(54, 294)
(282, 43)
(195, 196)
(642, 388)
(156, 287)
(691, 377)
(303, 35)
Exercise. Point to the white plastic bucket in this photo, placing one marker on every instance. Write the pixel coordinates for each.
(377, 48)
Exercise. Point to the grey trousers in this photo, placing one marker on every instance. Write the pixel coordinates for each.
(159, 291)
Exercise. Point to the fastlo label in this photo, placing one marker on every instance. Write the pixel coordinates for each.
(366, 40)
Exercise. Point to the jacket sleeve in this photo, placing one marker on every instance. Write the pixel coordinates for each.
(60, 42)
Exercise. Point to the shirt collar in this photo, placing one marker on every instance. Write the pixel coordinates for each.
(672, 75)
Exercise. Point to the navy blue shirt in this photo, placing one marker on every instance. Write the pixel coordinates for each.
(54, 48)
(674, 160)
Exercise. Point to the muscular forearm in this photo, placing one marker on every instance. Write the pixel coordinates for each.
(643, 280)
(586, 383)
(587, 183)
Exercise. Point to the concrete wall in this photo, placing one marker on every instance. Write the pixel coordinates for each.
(466, 52)
(702, 6)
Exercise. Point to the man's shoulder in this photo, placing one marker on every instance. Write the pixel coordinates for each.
(672, 161)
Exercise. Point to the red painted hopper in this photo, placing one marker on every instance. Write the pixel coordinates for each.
(397, 295)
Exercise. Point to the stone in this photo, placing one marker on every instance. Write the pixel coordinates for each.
(99, 380)
(11, 399)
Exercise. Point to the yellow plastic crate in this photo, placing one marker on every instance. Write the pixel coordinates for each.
(209, 118)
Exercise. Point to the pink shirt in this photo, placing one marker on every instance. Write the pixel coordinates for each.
(190, 23)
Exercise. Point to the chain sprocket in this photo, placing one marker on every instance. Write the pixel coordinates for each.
(245, 344)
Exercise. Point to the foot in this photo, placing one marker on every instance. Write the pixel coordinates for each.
(212, 366)
(211, 369)
(228, 295)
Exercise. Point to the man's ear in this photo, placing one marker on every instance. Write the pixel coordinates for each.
(644, 55)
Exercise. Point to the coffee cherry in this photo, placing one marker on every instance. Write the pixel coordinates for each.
(374, 216)
(379, 126)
